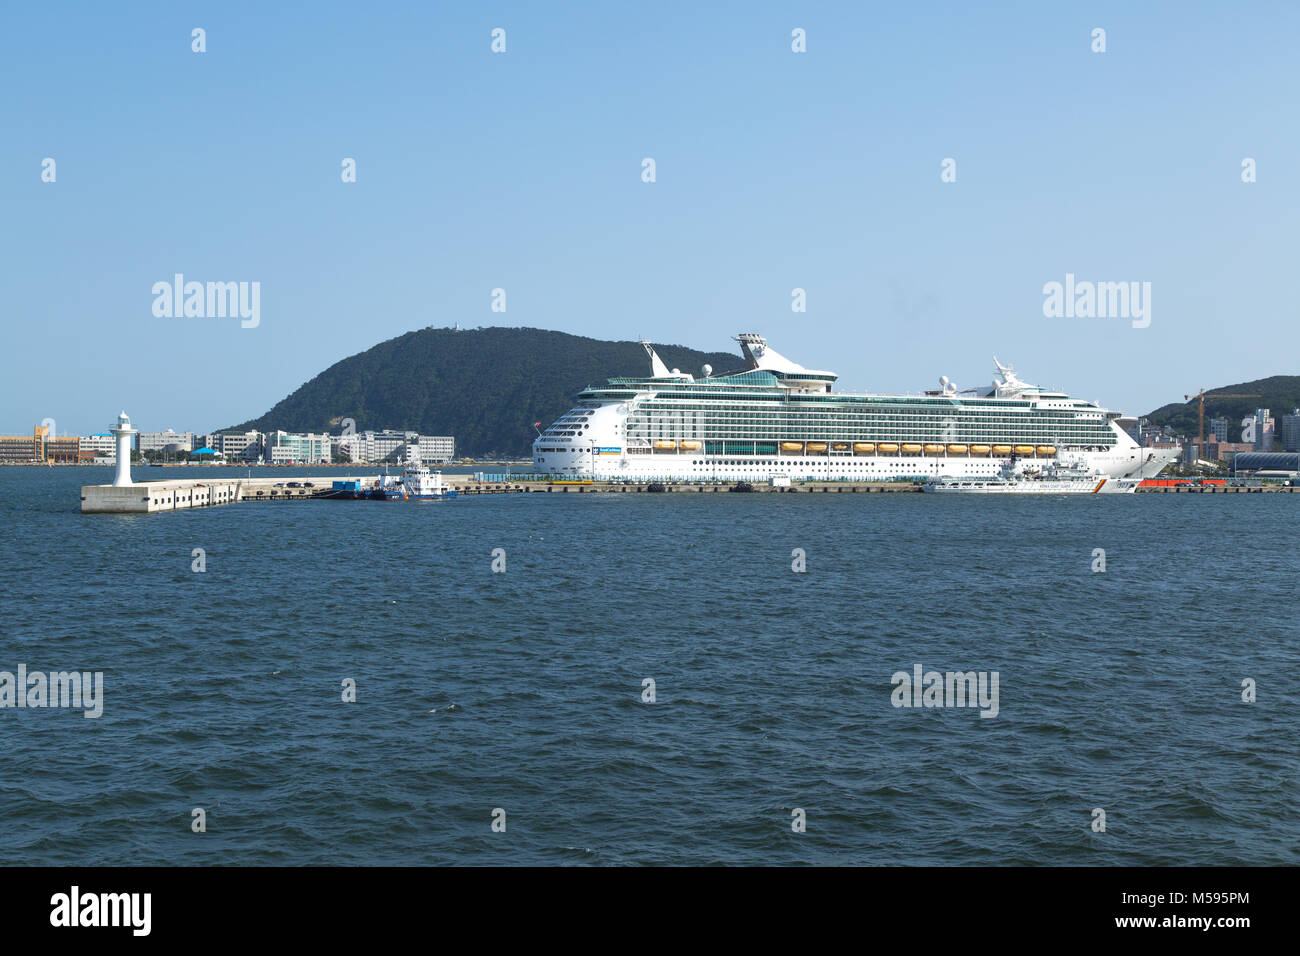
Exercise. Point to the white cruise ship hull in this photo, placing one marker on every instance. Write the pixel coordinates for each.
(777, 419)
(605, 463)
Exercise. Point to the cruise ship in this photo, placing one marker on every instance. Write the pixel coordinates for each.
(776, 419)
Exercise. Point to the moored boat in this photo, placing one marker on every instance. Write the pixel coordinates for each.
(674, 426)
(1051, 479)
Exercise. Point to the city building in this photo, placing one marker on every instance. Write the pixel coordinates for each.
(249, 446)
(284, 447)
(395, 446)
(39, 446)
(1276, 464)
(168, 441)
(437, 449)
(1218, 428)
(100, 445)
(1290, 431)
(63, 451)
(16, 448)
(1226, 450)
(1264, 426)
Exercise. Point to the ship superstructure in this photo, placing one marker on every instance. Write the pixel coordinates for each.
(777, 418)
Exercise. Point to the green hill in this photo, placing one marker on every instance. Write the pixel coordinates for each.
(484, 386)
(1279, 393)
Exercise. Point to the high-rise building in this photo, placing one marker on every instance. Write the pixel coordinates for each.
(1264, 425)
(1218, 429)
(1291, 431)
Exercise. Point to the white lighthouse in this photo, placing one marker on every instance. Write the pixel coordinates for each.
(123, 431)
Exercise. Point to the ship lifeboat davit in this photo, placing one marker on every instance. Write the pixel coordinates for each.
(887, 447)
(979, 449)
(795, 446)
(911, 448)
(933, 449)
(864, 447)
(1046, 450)
(956, 449)
(665, 444)
(1001, 449)
(1024, 449)
(689, 445)
(816, 447)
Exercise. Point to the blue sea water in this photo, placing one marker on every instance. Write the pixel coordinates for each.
(522, 690)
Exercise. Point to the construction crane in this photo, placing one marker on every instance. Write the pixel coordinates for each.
(1200, 416)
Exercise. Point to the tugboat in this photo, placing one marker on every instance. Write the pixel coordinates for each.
(418, 483)
(387, 488)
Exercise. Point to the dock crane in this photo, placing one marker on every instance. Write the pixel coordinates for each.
(1200, 416)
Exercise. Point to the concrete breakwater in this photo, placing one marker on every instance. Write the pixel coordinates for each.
(146, 497)
(150, 496)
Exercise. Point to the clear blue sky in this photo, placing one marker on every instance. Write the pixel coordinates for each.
(775, 170)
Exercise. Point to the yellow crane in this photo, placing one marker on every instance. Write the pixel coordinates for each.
(1200, 414)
